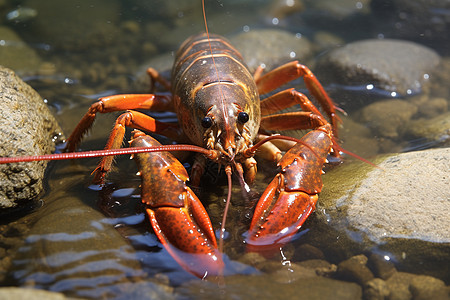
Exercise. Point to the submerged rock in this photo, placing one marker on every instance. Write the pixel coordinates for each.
(27, 127)
(355, 269)
(410, 286)
(376, 289)
(387, 118)
(16, 54)
(435, 131)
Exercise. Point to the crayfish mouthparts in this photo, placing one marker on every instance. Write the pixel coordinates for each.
(231, 153)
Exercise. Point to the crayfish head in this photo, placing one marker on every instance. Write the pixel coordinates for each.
(223, 116)
(227, 133)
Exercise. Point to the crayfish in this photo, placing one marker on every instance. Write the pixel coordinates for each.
(220, 116)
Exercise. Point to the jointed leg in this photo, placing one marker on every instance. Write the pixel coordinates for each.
(116, 103)
(286, 99)
(309, 118)
(292, 121)
(156, 77)
(291, 71)
(198, 168)
(135, 120)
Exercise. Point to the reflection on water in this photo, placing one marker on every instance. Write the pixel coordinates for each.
(87, 242)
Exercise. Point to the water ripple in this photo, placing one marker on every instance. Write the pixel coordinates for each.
(60, 237)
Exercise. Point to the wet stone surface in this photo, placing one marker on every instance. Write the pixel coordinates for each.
(404, 176)
(390, 65)
(376, 289)
(27, 127)
(406, 124)
(10, 239)
(397, 208)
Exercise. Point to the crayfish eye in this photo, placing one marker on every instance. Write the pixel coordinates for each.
(207, 122)
(243, 117)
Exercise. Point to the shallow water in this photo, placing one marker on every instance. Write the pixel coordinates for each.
(87, 242)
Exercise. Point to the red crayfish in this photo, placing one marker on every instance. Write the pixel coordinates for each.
(220, 115)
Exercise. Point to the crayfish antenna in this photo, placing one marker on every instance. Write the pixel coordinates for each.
(360, 158)
(337, 148)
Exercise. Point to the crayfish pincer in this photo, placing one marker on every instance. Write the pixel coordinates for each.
(292, 195)
(177, 216)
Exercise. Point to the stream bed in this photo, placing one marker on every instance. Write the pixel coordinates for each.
(379, 231)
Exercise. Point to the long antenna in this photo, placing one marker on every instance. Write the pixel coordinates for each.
(108, 152)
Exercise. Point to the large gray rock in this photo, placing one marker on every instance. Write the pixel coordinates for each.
(400, 208)
(399, 199)
(27, 127)
(390, 65)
